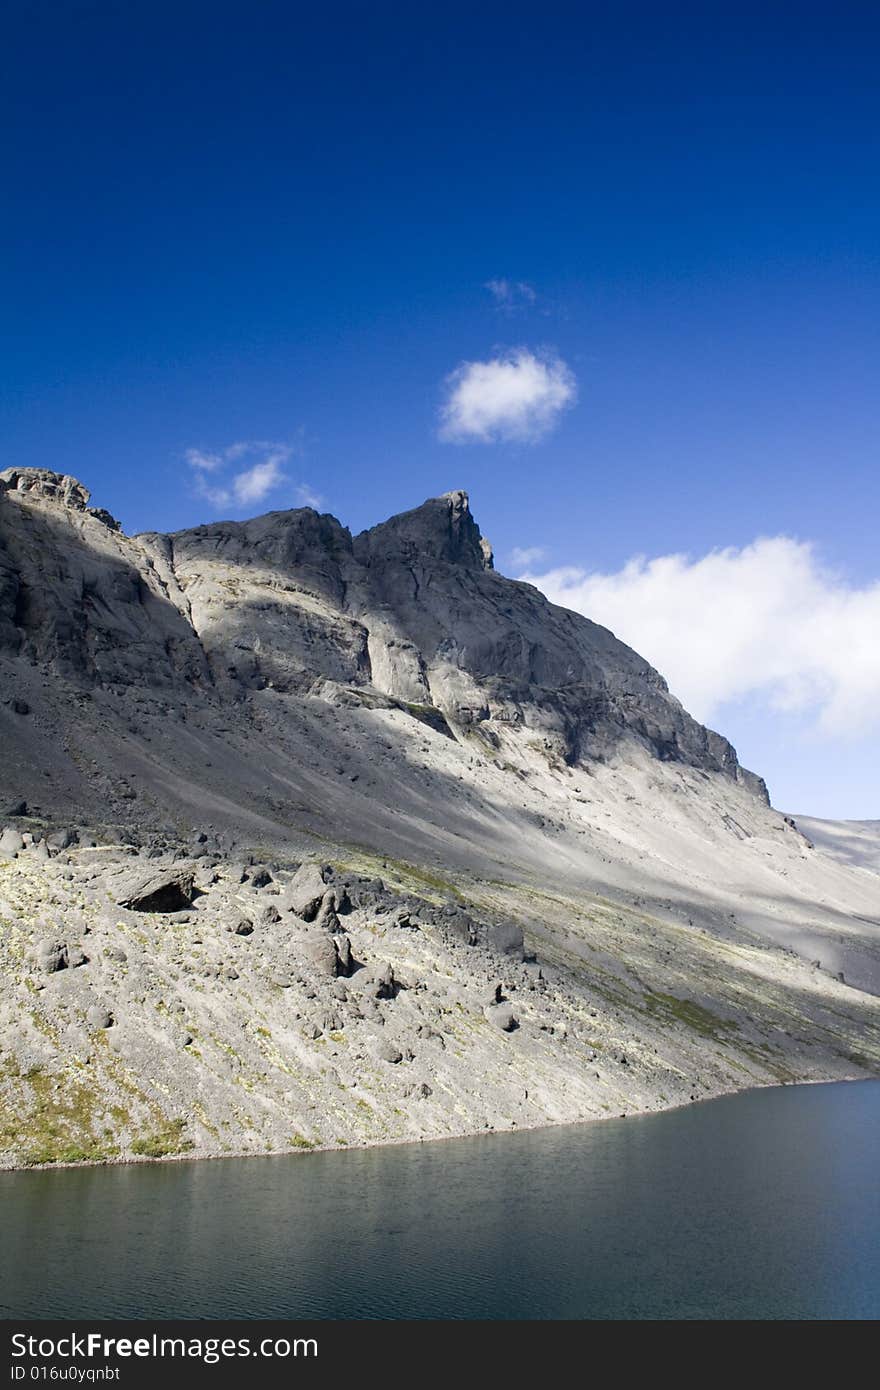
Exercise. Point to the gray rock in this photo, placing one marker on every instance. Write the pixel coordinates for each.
(388, 986)
(327, 919)
(305, 892)
(503, 1017)
(61, 839)
(506, 938)
(51, 955)
(320, 952)
(344, 958)
(76, 956)
(11, 842)
(168, 890)
(99, 1017)
(387, 1052)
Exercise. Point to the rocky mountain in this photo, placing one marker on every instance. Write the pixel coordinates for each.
(410, 612)
(539, 889)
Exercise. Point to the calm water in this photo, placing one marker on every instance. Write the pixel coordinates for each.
(760, 1205)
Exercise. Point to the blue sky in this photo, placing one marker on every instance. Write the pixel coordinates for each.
(652, 232)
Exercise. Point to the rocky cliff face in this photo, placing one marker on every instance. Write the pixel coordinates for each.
(411, 610)
(79, 598)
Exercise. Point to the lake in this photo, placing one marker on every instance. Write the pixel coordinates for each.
(762, 1205)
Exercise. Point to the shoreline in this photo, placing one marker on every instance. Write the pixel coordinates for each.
(137, 1160)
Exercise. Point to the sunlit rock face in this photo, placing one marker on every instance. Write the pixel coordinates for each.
(412, 609)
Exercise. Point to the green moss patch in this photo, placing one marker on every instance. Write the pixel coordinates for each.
(161, 1143)
(56, 1119)
(299, 1141)
(692, 1015)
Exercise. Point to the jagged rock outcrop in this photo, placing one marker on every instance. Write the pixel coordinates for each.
(78, 596)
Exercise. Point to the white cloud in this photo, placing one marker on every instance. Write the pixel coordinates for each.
(524, 556)
(241, 487)
(517, 396)
(205, 463)
(257, 482)
(510, 295)
(767, 621)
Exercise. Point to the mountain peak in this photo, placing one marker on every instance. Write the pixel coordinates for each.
(58, 488)
(442, 528)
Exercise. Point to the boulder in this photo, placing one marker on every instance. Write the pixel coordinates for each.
(384, 985)
(344, 958)
(320, 952)
(305, 892)
(387, 1052)
(61, 839)
(502, 1016)
(506, 938)
(51, 955)
(327, 919)
(99, 1017)
(10, 843)
(169, 890)
(428, 1034)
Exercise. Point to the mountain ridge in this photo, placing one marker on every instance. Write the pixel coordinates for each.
(539, 665)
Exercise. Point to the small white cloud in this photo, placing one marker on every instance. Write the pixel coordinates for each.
(257, 482)
(242, 487)
(205, 463)
(510, 295)
(517, 396)
(523, 557)
(766, 621)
